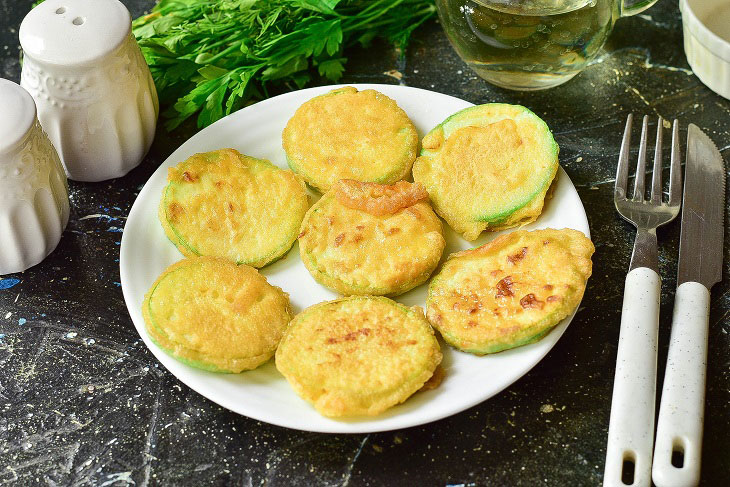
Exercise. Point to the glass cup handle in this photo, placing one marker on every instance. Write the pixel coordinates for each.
(635, 7)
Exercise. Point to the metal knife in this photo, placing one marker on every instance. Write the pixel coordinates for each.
(678, 447)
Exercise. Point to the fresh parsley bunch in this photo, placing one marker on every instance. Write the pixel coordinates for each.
(213, 57)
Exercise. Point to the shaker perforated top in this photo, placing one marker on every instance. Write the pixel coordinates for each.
(74, 32)
(18, 114)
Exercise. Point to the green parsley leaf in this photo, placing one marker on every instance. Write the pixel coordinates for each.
(332, 69)
(212, 57)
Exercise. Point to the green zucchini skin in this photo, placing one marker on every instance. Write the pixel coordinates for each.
(525, 337)
(511, 291)
(226, 204)
(212, 314)
(469, 191)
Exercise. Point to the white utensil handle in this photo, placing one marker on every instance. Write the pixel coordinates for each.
(631, 428)
(682, 407)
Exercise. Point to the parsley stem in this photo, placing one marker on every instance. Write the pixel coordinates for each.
(236, 45)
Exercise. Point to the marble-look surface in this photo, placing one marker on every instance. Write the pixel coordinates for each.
(82, 401)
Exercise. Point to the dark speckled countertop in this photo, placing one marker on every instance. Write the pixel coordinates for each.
(83, 402)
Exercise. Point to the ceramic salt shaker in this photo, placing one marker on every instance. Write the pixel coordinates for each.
(95, 95)
(33, 190)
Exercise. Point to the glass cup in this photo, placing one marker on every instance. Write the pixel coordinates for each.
(531, 44)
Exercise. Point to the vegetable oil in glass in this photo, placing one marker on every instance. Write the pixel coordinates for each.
(527, 44)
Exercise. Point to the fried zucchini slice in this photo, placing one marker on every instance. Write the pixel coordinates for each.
(510, 291)
(350, 134)
(215, 315)
(369, 238)
(225, 204)
(488, 167)
(358, 355)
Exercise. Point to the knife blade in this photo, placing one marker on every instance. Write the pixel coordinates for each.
(678, 446)
(703, 208)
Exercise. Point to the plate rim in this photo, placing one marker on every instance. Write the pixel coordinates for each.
(370, 425)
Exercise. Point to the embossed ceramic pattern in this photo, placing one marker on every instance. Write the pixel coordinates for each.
(100, 112)
(34, 205)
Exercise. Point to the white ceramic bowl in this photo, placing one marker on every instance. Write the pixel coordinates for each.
(706, 25)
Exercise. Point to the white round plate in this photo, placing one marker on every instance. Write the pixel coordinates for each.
(264, 394)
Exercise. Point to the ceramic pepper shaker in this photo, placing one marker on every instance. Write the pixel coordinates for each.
(95, 95)
(33, 190)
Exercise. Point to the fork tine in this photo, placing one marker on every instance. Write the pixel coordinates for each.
(622, 171)
(656, 177)
(675, 172)
(641, 164)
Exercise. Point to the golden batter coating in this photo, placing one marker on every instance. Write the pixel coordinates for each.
(225, 204)
(358, 356)
(213, 314)
(488, 167)
(510, 291)
(350, 134)
(384, 240)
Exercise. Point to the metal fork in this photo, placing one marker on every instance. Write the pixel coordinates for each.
(631, 427)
